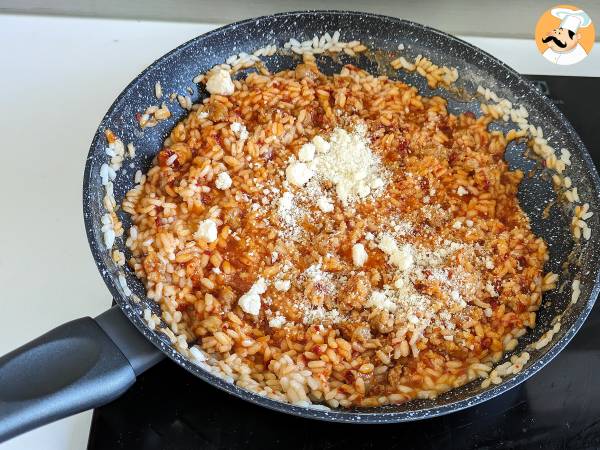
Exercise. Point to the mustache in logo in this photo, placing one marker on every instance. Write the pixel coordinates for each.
(555, 40)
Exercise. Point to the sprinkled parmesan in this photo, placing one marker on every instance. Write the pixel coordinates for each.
(350, 165)
(461, 191)
(250, 301)
(307, 152)
(219, 82)
(321, 145)
(387, 244)
(403, 257)
(379, 300)
(223, 181)
(325, 204)
(282, 285)
(298, 174)
(207, 230)
(239, 130)
(359, 255)
(277, 322)
(491, 290)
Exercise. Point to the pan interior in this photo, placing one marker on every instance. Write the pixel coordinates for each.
(175, 72)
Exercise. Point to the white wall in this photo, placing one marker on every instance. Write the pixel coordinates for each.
(506, 18)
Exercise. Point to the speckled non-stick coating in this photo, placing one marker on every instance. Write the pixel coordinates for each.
(175, 72)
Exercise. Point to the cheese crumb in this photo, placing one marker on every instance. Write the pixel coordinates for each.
(387, 244)
(325, 204)
(350, 164)
(491, 290)
(400, 257)
(321, 145)
(282, 285)
(298, 174)
(307, 152)
(207, 230)
(223, 181)
(461, 191)
(369, 236)
(286, 201)
(250, 301)
(403, 257)
(239, 130)
(359, 255)
(219, 82)
(379, 300)
(377, 183)
(277, 322)
(399, 283)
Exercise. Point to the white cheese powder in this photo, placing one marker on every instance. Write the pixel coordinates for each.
(387, 244)
(307, 152)
(277, 322)
(298, 173)
(250, 301)
(325, 204)
(379, 300)
(321, 145)
(461, 191)
(349, 164)
(359, 255)
(282, 285)
(223, 181)
(239, 130)
(207, 230)
(403, 257)
(219, 82)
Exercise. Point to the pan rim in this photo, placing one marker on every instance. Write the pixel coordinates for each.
(336, 415)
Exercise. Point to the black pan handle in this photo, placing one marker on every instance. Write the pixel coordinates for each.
(80, 365)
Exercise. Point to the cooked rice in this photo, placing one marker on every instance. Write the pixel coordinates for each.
(335, 346)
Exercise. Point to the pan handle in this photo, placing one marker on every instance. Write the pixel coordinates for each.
(80, 365)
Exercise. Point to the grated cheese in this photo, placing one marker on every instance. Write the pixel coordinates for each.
(219, 82)
(223, 181)
(349, 164)
(359, 255)
(298, 173)
(239, 130)
(282, 285)
(277, 322)
(207, 230)
(379, 300)
(250, 301)
(325, 204)
(307, 152)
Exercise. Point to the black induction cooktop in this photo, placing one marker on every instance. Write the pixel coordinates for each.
(559, 407)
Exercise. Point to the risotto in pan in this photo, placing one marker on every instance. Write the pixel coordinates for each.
(339, 239)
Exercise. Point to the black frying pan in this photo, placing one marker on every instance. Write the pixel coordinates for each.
(89, 362)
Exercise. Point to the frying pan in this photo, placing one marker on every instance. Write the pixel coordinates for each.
(88, 362)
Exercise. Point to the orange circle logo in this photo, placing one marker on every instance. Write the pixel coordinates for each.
(565, 35)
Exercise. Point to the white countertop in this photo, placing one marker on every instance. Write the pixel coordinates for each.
(59, 77)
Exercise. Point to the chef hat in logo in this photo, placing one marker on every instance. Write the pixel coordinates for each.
(571, 20)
